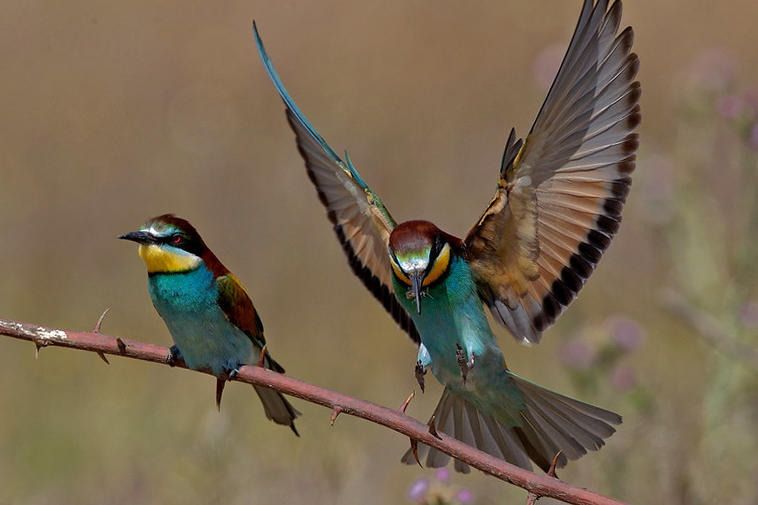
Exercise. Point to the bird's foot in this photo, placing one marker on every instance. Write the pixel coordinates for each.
(232, 374)
(464, 364)
(410, 294)
(420, 373)
(173, 356)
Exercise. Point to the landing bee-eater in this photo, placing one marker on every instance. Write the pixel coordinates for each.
(210, 316)
(556, 207)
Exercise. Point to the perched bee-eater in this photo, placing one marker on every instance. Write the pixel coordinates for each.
(557, 205)
(207, 310)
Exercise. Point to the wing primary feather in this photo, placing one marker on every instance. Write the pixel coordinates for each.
(361, 222)
(287, 99)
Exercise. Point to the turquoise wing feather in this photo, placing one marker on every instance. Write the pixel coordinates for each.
(560, 195)
(361, 222)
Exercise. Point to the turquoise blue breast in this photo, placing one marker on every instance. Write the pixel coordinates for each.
(452, 313)
(188, 304)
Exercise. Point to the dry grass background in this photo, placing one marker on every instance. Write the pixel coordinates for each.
(113, 112)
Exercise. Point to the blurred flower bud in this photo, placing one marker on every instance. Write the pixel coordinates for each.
(417, 490)
(623, 378)
(465, 496)
(729, 107)
(578, 354)
(442, 474)
(626, 333)
(749, 314)
(713, 71)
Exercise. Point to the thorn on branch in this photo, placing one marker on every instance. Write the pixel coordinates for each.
(433, 428)
(335, 412)
(220, 383)
(414, 450)
(262, 358)
(96, 329)
(533, 497)
(37, 347)
(551, 471)
(100, 321)
(228, 375)
(121, 345)
(406, 402)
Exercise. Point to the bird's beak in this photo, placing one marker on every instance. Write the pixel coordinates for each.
(417, 278)
(140, 237)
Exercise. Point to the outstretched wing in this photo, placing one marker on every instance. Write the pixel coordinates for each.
(361, 221)
(560, 195)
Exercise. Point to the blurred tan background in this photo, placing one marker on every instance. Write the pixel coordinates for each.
(113, 112)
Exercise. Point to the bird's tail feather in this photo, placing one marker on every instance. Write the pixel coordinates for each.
(277, 408)
(550, 423)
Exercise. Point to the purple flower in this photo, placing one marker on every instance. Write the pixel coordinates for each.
(442, 474)
(749, 314)
(578, 354)
(713, 71)
(627, 333)
(465, 496)
(623, 378)
(417, 490)
(729, 106)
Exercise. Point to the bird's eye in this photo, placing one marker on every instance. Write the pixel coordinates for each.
(177, 239)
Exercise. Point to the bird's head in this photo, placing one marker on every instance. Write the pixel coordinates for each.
(168, 244)
(420, 256)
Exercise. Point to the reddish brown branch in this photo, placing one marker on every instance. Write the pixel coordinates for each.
(396, 420)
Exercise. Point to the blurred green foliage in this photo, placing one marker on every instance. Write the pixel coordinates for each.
(116, 112)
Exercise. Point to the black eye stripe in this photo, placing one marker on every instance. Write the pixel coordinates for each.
(437, 247)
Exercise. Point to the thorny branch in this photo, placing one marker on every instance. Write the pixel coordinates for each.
(397, 420)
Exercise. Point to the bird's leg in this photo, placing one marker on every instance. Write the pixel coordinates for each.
(420, 372)
(465, 364)
(173, 356)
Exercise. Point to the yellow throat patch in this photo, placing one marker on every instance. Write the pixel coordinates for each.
(159, 259)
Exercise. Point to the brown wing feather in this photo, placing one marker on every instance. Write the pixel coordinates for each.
(360, 221)
(559, 199)
(239, 309)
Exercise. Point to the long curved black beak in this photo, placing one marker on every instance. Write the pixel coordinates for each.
(417, 279)
(140, 237)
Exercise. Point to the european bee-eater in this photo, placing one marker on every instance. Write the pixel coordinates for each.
(557, 205)
(207, 310)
